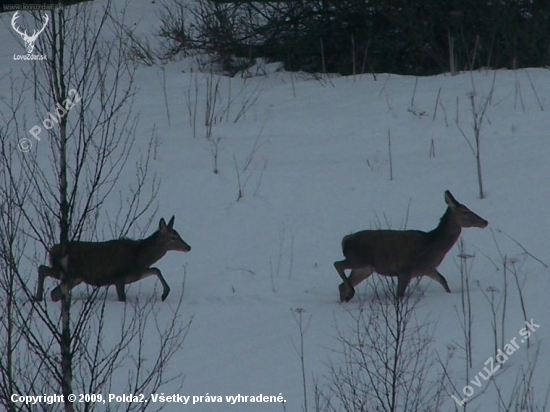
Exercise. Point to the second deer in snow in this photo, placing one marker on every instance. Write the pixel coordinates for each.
(116, 262)
(403, 253)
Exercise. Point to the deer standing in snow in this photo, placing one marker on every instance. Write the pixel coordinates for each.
(116, 262)
(403, 253)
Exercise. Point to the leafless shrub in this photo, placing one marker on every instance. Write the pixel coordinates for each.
(252, 166)
(478, 116)
(385, 361)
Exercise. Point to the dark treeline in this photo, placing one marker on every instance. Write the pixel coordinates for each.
(419, 37)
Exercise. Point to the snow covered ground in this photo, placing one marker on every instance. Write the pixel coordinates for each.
(314, 165)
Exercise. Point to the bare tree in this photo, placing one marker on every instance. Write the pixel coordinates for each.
(84, 139)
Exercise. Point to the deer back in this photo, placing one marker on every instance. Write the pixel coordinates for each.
(98, 263)
(103, 263)
(387, 251)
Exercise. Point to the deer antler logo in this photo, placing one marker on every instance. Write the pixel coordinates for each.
(29, 40)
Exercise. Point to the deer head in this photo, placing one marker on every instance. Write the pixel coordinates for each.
(29, 40)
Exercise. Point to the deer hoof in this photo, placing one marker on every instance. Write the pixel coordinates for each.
(345, 294)
(56, 294)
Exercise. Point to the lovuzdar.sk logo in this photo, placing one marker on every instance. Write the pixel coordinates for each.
(29, 40)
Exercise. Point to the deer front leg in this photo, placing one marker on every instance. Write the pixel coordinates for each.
(120, 292)
(438, 277)
(165, 287)
(149, 272)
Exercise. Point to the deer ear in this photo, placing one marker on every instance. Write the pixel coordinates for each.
(171, 222)
(450, 200)
(162, 224)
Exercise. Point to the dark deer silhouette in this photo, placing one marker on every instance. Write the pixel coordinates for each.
(116, 262)
(403, 253)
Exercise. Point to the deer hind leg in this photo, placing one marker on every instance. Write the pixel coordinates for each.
(346, 288)
(357, 275)
(438, 277)
(57, 293)
(43, 273)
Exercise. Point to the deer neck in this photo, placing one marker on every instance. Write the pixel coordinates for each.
(445, 235)
(150, 250)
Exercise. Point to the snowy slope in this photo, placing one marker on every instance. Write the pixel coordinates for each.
(318, 170)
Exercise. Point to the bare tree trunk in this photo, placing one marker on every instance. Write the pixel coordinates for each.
(57, 85)
(65, 344)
